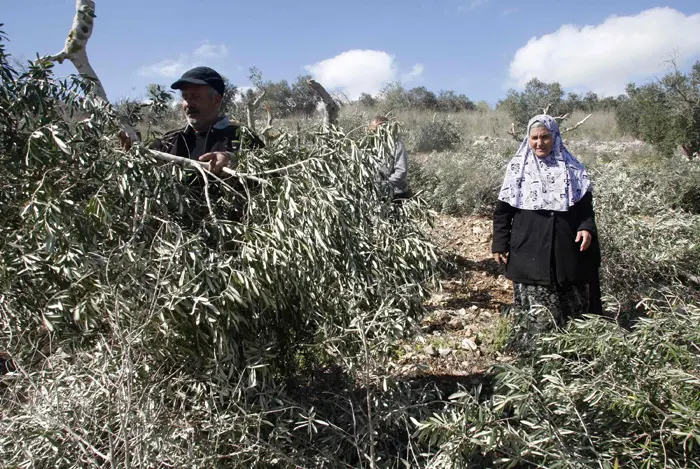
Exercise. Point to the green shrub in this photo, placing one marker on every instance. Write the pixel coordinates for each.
(647, 237)
(394, 98)
(438, 134)
(499, 334)
(665, 114)
(449, 101)
(355, 122)
(459, 183)
(367, 100)
(536, 97)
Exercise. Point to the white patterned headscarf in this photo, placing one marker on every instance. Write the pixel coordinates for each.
(555, 182)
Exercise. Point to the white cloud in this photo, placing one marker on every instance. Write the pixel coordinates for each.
(510, 11)
(474, 4)
(605, 57)
(359, 71)
(173, 68)
(355, 71)
(211, 51)
(415, 73)
(165, 68)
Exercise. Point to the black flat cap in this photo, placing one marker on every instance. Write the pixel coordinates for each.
(201, 76)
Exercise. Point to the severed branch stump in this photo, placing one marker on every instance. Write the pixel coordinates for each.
(75, 50)
(250, 108)
(331, 111)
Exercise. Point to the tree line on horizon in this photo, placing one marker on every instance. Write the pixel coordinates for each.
(665, 113)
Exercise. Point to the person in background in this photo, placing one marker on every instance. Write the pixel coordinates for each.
(396, 171)
(544, 231)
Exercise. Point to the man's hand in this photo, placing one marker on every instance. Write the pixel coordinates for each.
(124, 140)
(500, 257)
(586, 237)
(218, 160)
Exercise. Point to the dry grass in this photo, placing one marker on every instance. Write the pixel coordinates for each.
(600, 127)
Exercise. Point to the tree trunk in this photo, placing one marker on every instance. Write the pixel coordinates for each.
(75, 50)
(250, 110)
(331, 108)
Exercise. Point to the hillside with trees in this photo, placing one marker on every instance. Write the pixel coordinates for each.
(324, 326)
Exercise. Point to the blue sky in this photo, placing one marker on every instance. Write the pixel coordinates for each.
(477, 47)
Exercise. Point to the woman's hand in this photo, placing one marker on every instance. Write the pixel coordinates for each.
(585, 237)
(500, 257)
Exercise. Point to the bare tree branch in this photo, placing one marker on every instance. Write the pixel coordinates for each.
(513, 134)
(517, 137)
(200, 165)
(168, 158)
(75, 50)
(675, 86)
(569, 129)
(250, 108)
(268, 126)
(257, 100)
(332, 109)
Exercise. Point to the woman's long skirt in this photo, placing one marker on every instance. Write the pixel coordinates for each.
(542, 308)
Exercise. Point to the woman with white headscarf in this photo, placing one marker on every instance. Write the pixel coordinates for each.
(544, 231)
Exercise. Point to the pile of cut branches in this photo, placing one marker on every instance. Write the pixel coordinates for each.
(148, 307)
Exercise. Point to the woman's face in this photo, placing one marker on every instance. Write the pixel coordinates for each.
(541, 141)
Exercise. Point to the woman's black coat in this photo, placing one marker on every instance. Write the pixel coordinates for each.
(542, 243)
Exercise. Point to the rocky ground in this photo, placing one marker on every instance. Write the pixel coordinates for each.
(464, 332)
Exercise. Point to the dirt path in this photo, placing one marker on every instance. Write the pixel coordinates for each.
(463, 332)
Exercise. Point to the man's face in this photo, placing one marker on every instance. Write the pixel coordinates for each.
(200, 105)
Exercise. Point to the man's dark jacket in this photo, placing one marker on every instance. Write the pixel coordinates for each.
(223, 136)
(542, 243)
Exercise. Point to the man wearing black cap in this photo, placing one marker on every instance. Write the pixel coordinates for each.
(207, 135)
